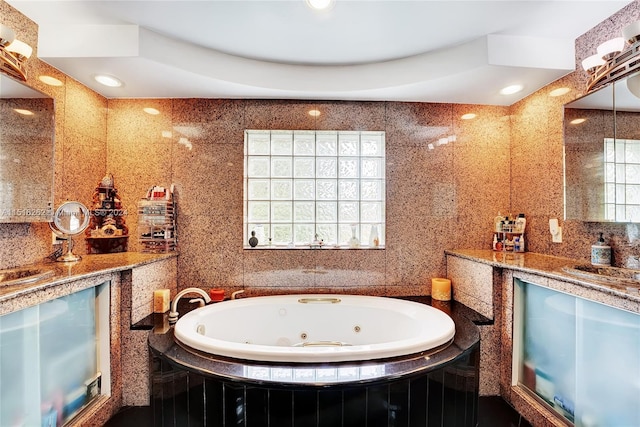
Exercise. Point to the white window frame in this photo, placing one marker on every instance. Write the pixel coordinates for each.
(621, 180)
(349, 165)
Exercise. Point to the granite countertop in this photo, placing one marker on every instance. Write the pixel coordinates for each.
(89, 266)
(544, 265)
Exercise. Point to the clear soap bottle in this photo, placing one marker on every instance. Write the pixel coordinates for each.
(497, 223)
(521, 223)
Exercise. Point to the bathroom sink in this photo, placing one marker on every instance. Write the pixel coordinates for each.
(611, 275)
(20, 276)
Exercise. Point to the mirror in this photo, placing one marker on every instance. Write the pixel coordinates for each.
(70, 219)
(602, 154)
(27, 131)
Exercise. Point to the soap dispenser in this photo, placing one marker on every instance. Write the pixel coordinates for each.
(600, 252)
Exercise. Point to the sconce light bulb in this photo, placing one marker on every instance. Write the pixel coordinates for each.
(21, 49)
(610, 48)
(631, 33)
(7, 35)
(633, 84)
(591, 63)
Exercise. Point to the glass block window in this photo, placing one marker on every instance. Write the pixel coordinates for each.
(303, 186)
(622, 179)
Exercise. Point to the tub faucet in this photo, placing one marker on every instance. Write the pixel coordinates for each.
(173, 313)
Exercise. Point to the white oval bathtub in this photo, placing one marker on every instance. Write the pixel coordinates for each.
(314, 328)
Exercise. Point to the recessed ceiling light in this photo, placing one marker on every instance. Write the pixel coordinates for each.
(468, 116)
(560, 91)
(320, 4)
(314, 113)
(151, 111)
(23, 112)
(51, 81)
(577, 121)
(510, 90)
(108, 80)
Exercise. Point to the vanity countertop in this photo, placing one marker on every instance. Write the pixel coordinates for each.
(543, 265)
(89, 266)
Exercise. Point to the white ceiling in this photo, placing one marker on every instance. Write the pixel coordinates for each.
(421, 50)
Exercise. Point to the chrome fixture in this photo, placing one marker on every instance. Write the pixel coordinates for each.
(235, 294)
(173, 313)
(70, 219)
(319, 300)
(13, 54)
(614, 59)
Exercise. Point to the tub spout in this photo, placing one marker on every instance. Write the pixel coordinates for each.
(236, 293)
(173, 313)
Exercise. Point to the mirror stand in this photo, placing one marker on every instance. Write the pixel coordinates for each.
(69, 256)
(69, 220)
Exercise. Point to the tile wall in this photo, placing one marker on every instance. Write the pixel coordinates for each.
(436, 199)
(537, 166)
(508, 159)
(80, 147)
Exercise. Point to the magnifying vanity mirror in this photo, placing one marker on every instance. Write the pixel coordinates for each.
(602, 154)
(26, 153)
(70, 219)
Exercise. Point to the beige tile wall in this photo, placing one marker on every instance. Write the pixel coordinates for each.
(472, 284)
(536, 159)
(436, 199)
(508, 160)
(80, 148)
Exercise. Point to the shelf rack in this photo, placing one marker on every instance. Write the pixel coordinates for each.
(157, 225)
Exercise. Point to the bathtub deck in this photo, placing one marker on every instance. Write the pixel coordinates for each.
(429, 388)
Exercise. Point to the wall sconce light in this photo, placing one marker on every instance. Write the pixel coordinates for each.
(13, 54)
(613, 61)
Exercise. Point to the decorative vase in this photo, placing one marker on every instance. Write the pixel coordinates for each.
(374, 240)
(354, 242)
(253, 240)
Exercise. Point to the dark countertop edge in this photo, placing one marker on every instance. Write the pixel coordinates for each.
(466, 338)
(89, 266)
(545, 265)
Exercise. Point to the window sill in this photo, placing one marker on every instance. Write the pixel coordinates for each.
(313, 248)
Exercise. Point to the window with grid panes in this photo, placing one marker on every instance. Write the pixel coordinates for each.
(305, 186)
(622, 179)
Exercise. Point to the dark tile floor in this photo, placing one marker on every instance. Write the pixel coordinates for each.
(492, 412)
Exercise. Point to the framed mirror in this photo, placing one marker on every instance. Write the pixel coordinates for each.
(602, 154)
(27, 132)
